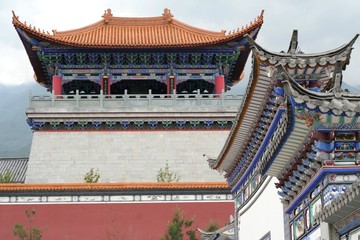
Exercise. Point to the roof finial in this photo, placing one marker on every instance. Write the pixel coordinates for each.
(167, 15)
(15, 17)
(107, 15)
(261, 14)
(337, 77)
(293, 42)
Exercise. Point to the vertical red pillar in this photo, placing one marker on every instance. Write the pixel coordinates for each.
(105, 85)
(57, 85)
(219, 84)
(171, 84)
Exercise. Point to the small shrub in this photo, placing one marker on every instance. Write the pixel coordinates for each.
(27, 233)
(212, 226)
(6, 178)
(92, 176)
(165, 175)
(177, 225)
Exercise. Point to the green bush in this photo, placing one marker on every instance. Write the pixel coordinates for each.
(27, 233)
(165, 175)
(177, 225)
(6, 178)
(212, 226)
(92, 176)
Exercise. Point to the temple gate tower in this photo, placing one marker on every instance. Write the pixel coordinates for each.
(130, 95)
(306, 135)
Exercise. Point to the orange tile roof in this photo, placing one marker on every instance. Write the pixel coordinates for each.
(120, 32)
(111, 186)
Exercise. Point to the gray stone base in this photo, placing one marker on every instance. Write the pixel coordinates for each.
(59, 157)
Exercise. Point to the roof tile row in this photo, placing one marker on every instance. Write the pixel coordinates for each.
(112, 186)
(115, 32)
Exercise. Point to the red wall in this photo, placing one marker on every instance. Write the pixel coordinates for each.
(109, 221)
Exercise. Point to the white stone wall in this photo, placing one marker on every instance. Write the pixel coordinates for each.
(264, 215)
(133, 156)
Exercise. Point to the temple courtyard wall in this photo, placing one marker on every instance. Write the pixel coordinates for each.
(94, 221)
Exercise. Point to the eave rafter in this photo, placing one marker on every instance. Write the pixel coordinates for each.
(236, 143)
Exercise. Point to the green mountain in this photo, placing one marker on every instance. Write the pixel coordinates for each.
(15, 134)
(350, 88)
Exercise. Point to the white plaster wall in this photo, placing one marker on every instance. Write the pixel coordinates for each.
(263, 216)
(58, 157)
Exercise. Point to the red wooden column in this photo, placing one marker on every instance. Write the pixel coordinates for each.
(105, 85)
(219, 84)
(171, 84)
(57, 85)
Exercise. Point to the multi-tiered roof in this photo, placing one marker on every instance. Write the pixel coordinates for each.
(265, 96)
(117, 36)
(296, 124)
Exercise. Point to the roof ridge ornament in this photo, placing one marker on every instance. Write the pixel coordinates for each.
(167, 16)
(294, 42)
(337, 78)
(15, 17)
(107, 15)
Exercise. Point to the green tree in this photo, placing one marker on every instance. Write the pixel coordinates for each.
(27, 233)
(177, 225)
(6, 178)
(165, 175)
(92, 176)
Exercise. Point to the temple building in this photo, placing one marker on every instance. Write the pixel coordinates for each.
(129, 96)
(130, 91)
(298, 129)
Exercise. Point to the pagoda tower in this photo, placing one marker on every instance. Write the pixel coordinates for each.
(297, 125)
(130, 95)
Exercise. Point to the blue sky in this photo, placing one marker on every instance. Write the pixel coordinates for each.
(322, 24)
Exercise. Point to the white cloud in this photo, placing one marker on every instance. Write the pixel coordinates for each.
(323, 25)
